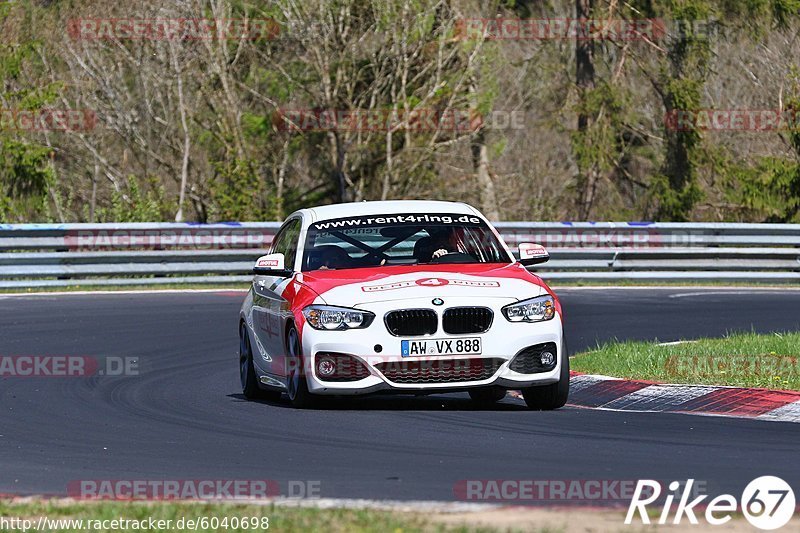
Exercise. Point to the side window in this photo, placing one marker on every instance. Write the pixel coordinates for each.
(292, 234)
(286, 242)
(278, 243)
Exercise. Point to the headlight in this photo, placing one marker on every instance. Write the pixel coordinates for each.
(533, 310)
(327, 317)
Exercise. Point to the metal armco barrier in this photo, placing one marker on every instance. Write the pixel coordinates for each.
(41, 255)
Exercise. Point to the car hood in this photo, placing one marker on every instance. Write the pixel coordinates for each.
(360, 286)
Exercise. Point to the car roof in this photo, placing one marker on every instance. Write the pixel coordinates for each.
(388, 207)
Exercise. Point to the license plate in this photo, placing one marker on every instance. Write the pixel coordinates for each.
(466, 346)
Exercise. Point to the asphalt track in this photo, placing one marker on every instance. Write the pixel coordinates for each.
(183, 416)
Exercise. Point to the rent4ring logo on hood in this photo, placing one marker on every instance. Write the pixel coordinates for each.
(429, 282)
(767, 502)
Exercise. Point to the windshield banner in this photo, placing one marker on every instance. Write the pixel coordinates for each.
(409, 219)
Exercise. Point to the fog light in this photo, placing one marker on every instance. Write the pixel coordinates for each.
(547, 358)
(326, 367)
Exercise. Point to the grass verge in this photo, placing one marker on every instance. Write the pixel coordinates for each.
(739, 359)
(280, 518)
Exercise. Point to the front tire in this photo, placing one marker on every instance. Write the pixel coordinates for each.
(247, 372)
(297, 386)
(549, 397)
(487, 396)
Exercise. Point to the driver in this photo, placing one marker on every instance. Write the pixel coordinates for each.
(439, 244)
(327, 257)
(443, 242)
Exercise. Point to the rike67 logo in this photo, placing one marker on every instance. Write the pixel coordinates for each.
(767, 502)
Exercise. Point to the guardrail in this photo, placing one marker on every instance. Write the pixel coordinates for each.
(41, 255)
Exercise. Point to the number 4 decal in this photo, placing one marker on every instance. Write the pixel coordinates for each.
(432, 282)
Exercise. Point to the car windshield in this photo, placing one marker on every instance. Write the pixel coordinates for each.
(408, 239)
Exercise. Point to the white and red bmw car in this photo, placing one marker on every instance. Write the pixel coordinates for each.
(400, 296)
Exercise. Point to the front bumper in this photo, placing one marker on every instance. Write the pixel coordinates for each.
(500, 344)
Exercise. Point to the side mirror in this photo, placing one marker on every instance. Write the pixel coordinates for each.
(270, 265)
(532, 254)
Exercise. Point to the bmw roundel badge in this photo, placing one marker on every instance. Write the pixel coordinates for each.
(438, 301)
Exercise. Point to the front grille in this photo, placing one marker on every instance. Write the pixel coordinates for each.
(459, 320)
(440, 370)
(528, 361)
(348, 368)
(407, 322)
